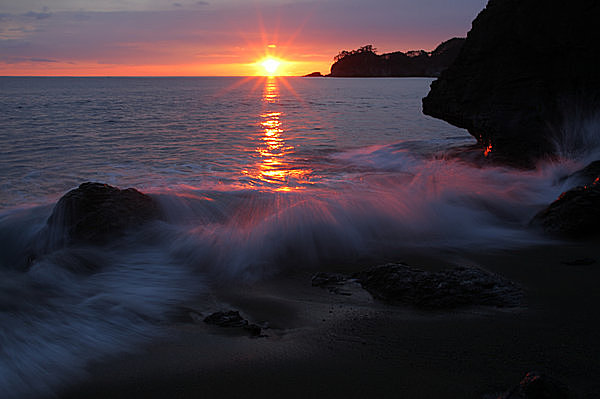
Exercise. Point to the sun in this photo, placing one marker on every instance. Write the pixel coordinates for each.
(270, 65)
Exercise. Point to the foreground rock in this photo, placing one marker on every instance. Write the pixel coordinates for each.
(94, 213)
(400, 283)
(364, 62)
(536, 385)
(525, 66)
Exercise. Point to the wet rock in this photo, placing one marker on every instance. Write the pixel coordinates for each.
(524, 66)
(588, 175)
(334, 282)
(461, 286)
(575, 214)
(96, 213)
(536, 385)
(233, 319)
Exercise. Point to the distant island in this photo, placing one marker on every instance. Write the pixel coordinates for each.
(365, 62)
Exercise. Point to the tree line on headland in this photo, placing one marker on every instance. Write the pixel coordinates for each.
(365, 62)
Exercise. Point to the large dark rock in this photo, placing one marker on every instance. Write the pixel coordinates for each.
(524, 66)
(364, 62)
(94, 213)
(461, 286)
(536, 385)
(575, 214)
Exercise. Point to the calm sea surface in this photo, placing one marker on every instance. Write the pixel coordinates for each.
(254, 177)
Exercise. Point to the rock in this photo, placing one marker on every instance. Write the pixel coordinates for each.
(536, 385)
(575, 214)
(95, 213)
(588, 175)
(334, 282)
(524, 66)
(314, 75)
(324, 279)
(461, 286)
(233, 319)
(364, 62)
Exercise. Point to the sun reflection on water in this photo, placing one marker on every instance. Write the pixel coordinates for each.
(275, 168)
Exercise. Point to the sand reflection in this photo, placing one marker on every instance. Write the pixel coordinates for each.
(275, 167)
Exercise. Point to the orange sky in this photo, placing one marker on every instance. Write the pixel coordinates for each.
(218, 38)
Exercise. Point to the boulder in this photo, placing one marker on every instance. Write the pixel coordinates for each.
(95, 213)
(575, 214)
(233, 319)
(461, 286)
(536, 385)
(523, 68)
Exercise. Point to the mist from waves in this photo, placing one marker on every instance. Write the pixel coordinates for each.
(78, 304)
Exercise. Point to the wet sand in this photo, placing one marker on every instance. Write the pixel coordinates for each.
(321, 344)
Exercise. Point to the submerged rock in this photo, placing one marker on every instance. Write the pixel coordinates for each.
(536, 385)
(524, 66)
(94, 213)
(461, 286)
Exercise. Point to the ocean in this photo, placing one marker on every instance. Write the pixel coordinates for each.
(255, 177)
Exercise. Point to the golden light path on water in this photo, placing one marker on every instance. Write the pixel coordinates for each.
(275, 168)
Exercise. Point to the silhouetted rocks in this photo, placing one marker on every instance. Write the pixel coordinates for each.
(536, 385)
(314, 75)
(524, 68)
(96, 213)
(232, 319)
(364, 62)
(588, 175)
(576, 213)
(461, 286)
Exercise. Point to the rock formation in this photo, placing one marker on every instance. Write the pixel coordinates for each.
(536, 385)
(94, 213)
(364, 62)
(575, 214)
(524, 65)
(461, 286)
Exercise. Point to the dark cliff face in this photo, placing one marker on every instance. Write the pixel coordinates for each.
(398, 64)
(523, 64)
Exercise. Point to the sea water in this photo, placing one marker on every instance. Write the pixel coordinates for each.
(255, 176)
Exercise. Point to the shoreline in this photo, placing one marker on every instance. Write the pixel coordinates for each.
(327, 345)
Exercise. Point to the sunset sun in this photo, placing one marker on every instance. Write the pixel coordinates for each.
(270, 66)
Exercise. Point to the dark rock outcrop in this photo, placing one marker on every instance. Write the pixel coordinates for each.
(575, 214)
(314, 75)
(536, 385)
(523, 64)
(232, 319)
(364, 62)
(95, 213)
(461, 286)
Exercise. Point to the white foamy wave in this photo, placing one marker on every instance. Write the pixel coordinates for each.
(75, 305)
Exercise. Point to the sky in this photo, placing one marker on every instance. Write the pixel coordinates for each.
(214, 37)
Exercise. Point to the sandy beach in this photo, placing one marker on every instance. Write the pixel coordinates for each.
(321, 344)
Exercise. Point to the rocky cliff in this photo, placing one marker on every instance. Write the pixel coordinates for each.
(524, 68)
(365, 62)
